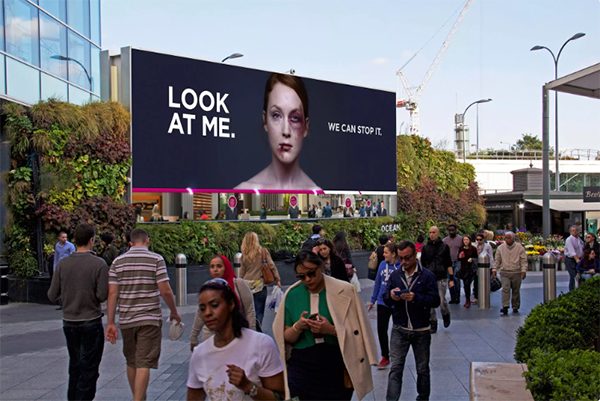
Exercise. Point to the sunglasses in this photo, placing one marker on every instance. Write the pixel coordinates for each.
(406, 258)
(310, 274)
(320, 242)
(479, 239)
(218, 281)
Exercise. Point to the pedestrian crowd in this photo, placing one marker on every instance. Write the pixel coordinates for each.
(323, 346)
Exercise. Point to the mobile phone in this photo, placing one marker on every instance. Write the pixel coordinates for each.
(314, 316)
(400, 292)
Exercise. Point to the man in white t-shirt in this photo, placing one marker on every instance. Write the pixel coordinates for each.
(255, 353)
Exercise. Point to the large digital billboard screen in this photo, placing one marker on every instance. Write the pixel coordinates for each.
(216, 127)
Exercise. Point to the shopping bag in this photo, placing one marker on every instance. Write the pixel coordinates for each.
(354, 281)
(276, 296)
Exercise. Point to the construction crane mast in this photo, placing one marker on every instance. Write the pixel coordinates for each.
(412, 103)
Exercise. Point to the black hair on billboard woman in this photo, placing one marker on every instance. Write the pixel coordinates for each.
(285, 120)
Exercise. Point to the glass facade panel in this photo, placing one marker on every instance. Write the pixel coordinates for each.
(52, 87)
(53, 46)
(78, 16)
(1, 26)
(2, 75)
(22, 31)
(77, 96)
(95, 69)
(95, 21)
(79, 61)
(56, 8)
(22, 81)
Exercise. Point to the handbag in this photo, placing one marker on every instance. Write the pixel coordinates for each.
(349, 269)
(267, 274)
(373, 261)
(495, 284)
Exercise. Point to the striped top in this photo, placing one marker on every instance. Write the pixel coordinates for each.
(137, 273)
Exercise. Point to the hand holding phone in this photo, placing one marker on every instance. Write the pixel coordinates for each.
(314, 316)
(400, 292)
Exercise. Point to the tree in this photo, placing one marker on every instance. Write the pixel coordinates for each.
(529, 142)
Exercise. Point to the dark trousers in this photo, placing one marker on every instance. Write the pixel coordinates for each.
(467, 284)
(571, 266)
(383, 323)
(455, 291)
(260, 299)
(401, 341)
(476, 286)
(85, 342)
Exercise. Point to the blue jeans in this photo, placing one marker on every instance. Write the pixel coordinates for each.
(585, 276)
(85, 342)
(455, 291)
(399, 344)
(260, 299)
(571, 266)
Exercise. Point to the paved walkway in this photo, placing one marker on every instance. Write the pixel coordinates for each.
(34, 357)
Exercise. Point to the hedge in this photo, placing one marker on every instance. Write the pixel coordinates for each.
(559, 343)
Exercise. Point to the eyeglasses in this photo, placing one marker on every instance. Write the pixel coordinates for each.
(479, 239)
(218, 281)
(405, 258)
(310, 274)
(320, 242)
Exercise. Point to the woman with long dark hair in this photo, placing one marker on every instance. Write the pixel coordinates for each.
(324, 336)
(467, 256)
(343, 250)
(236, 362)
(333, 265)
(220, 268)
(589, 265)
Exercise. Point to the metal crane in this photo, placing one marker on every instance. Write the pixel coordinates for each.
(412, 103)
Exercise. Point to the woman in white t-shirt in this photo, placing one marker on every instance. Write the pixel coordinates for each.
(236, 363)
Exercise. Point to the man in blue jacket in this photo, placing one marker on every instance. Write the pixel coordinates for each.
(412, 291)
(327, 212)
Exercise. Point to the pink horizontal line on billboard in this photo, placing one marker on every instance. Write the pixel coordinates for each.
(227, 191)
(202, 124)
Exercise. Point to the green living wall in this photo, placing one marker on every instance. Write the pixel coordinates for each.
(69, 164)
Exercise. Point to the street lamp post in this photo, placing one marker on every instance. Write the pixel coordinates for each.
(463, 122)
(63, 58)
(234, 55)
(556, 153)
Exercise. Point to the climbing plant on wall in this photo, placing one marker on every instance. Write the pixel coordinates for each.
(69, 164)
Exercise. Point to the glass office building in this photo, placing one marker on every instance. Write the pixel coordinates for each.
(50, 48)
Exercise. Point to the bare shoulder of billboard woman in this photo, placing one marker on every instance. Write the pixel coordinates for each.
(269, 179)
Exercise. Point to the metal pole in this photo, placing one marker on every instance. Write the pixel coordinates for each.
(549, 262)
(237, 263)
(181, 279)
(477, 147)
(556, 153)
(545, 166)
(483, 277)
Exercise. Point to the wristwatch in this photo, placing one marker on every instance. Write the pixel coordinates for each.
(254, 390)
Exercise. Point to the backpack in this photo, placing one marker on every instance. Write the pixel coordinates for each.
(309, 244)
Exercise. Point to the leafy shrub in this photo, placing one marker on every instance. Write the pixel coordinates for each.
(569, 322)
(564, 375)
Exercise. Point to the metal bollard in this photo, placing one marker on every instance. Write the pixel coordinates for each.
(483, 280)
(549, 265)
(237, 263)
(181, 280)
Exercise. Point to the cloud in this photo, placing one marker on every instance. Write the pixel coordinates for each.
(380, 60)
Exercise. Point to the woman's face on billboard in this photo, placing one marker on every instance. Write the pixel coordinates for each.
(285, 123)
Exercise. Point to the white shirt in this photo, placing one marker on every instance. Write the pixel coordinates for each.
(255, 353)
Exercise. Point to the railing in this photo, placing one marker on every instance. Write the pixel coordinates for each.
(567, 154)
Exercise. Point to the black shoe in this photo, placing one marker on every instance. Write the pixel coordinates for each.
(504, 311)
(515, 310)
(446, 320)
(59, 308)
(454, 301)
(433, 328)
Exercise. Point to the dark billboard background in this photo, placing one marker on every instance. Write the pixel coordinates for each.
(334, 160)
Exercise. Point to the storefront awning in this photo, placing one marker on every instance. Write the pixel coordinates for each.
(568, 205)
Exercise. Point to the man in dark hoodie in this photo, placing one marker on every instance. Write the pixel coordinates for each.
(412, 291)
(435, 257)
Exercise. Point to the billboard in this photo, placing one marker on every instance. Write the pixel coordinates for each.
(213, 127)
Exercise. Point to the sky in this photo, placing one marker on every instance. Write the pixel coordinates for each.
(364, 43)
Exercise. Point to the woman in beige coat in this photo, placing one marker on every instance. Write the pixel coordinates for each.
(324, 336)
(253, 258)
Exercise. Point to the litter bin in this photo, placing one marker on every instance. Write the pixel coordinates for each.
(549, 267)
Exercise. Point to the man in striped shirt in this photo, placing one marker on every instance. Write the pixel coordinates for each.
(135, 280)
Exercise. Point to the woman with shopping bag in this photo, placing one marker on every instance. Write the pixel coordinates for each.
(220, 268)
(324, 336)
(258, 269)
(333, 265)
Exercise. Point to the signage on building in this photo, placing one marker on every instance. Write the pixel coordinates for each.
(499, 206)
(390, 228)
(215, 127)
(348, 202)
(591, 194)
(293, 201)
